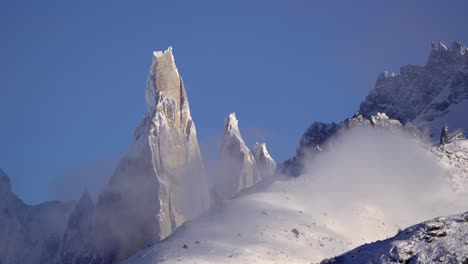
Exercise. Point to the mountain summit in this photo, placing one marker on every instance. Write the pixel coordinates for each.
(160, 183)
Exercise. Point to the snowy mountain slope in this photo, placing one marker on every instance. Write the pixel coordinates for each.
(384, 181)
(441, 240)
(29, 234)
(453, 157)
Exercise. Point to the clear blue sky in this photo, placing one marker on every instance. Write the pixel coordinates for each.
(73, 73)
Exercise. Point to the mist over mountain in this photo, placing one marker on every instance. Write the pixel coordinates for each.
(401, 159)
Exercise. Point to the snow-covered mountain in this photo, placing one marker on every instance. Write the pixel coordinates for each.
(428, 96)
(452, 153)
(320, 136)
(29, 233)
(371, 183)
(360, 181)
(423, 97)
(440, 240)
(160, 183)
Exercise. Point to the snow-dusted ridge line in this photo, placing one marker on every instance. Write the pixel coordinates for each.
(424, 97)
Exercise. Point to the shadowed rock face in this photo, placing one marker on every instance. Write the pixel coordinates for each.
(319, 136)
(160, 183)
(29, 233)
(428, 97)
(424, 94)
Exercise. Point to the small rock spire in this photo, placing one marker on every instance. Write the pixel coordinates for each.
(444, 135)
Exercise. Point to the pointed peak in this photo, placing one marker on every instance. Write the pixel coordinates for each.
(442, 46)
(5, 183)
(259, 149)
(85, 200)
(458, 47)
(231, 123)
(162, 53)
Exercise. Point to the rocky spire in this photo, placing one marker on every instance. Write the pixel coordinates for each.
(160, 183)
(265, 163)
(444, 135)
(238, 167)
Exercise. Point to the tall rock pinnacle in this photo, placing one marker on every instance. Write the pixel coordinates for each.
(238, 168)
(265, 163)
(160, 183)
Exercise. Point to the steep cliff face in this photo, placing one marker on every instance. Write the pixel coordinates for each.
(428, 96)
(238, 167)
(29, 234)
(160, 183)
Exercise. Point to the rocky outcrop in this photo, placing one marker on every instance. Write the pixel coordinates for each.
(29, 233)
(160, 182)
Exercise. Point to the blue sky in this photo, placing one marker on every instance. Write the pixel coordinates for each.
(72, 73)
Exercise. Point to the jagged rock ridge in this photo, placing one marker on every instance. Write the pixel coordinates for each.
(423, 98)
(428, 95)
(319, 136)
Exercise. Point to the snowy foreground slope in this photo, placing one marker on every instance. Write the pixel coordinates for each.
(440, 240)
(384, 181)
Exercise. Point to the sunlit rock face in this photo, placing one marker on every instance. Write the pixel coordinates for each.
(266, 165)
(160, 183)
